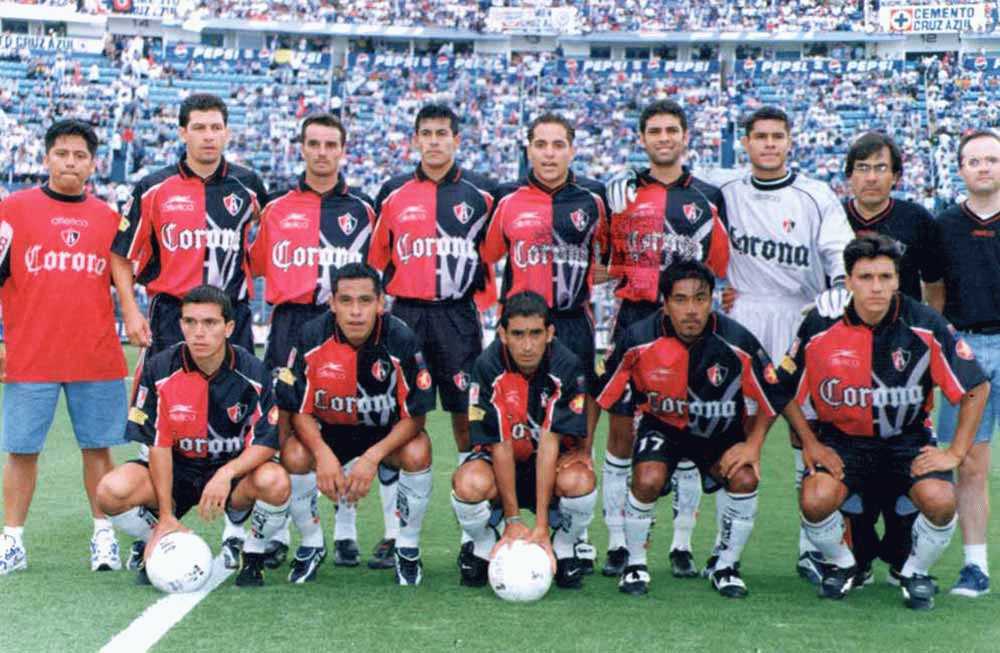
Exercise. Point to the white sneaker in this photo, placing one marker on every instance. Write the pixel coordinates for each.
(104, 554)
(13, 557)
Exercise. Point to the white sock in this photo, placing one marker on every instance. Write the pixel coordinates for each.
(975, 554)
(17, 532)
(137, 522)
(737, 524)
(414, 493)
(687, 497)
(345, 521)
(721, 503)
(828, 538)
(929, 542)
(266, 519)
(638, 524)
(304, 509)
(474, 518)
(284, 534)
(233, 530)
(575, 515)
(388, 491)
(102, 524)
(805, 545)
(614, 490)
(462, 457)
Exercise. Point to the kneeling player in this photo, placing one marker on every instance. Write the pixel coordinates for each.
(693, 373)
(358, 391)
(870, 376)
(527, 416)
(206, 411)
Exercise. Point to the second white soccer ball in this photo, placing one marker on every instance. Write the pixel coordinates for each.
(521, 572)
(181, 562)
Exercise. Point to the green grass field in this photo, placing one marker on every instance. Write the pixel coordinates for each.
(59, 605)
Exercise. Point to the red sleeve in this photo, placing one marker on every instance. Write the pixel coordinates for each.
(380, 249)
(495, 244)
(718, 249)
(257, 247)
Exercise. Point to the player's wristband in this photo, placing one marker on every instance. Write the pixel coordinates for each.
(516, 519)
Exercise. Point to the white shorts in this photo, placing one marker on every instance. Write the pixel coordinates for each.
(774, 322)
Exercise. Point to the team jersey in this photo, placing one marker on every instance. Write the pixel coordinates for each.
(508, 406)
(304, 236)
(355, 392)
(878, 382)
(184, 231)
(970, 249)
(58, 316)
(552, 238)
(681, 220)
(917, 234)
(787, 237)
(206, 420)
(704, 388)
(428, 233)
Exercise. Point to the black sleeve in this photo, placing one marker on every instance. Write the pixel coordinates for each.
(930, 262)
(6, 240)
(484, 422)
(142, 416)
(566, 413)
(264, 427)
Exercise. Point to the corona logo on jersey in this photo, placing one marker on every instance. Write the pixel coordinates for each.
(664, 405)
(200, 447)
(796, 256)
(677, 247)
(528, 255)
(408, 247)
(836, 395)
(173, 238)
(38, 260)
(284, 256)
(353, 405)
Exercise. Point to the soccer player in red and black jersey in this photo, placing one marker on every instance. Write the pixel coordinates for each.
(360, 391)
(305, 234)
(59, 331)
(870, 376)
(526, 410)
(206, 411)
(704, 390)
(673, 215)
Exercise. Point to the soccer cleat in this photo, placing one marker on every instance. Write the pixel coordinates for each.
(13, 557)
(586, 553)
(728, 582)
(252, 572)
(810, 567)
(136, 555)
(306, 564)
(569, 573)
(895, 578)
(706, 571)
(616, 562)
(634, 580)
(863, 576)
(346, 553)
(682, 564)
(836, 582)
(275, 554)
(383, 557)
(409, 568)
(918, 592)
(141, 578)
(104, 554)
(972, 582)
(232, 548)
(473, 570)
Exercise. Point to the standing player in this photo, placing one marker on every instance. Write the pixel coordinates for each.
(59, 331)
(692, 373)
(673, 215)
(206, 411)
(430, 224)
(359, 391)
(870, 376)
(305, 234)
(526, 408)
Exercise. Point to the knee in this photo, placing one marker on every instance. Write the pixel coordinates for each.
(819, 497)
(295, 458)
(936, 501)
(272, 483)
(743, 481)
(575, 481)
(415, 455)
(112, 492)
(473, 482)
(648, 480)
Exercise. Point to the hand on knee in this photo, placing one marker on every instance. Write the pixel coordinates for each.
(743, 481)
(473, 482)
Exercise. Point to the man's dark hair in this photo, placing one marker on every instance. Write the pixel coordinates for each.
(871, 245)
(435, 112)
(870, 144)
(685, 269)
(527, 303)
(355, 271)
(659, 108)
(202, 102)
(72, 128)
(767, 113)
(974, 135)
(324, 120)
(210, 295)
(555, 119)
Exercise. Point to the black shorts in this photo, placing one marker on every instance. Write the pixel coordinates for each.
(662, 443)
(628, 314)
(286, 325)
(165, 323)
(525, 482)
(349, 442)
(190, 482)
(451, 338)
(575, 330)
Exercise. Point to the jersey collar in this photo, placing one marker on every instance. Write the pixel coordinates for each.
(773, 184)
(450, 177)
(533, 181)
(185, 171)
(851, 317)
(972, 215)
(59, 197)
(881, 215)
(647, 179)
(340, 188)
(187, 361)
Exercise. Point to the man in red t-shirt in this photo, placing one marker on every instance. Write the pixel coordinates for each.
(59, 331)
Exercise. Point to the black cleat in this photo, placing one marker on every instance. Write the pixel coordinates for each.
(252, 572)
(232, 549)
(810, 566)
(383, 557)
(141, 578)
(616, 562)
(634, 580)
(346, 553)
(706, 571)
(136, 555)
(728, 582)
(682, 564)
(473, 570)
(569, 573)
(275, 555)
(306, 564)
(837, 582)
(586, 553)
(409, 568)
(863, 576)
(918, 592)
(895, 578)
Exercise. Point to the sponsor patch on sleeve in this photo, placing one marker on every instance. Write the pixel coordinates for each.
(577, 404)
(124, 224)
(963, 350)
(788, 365)
(476, 414)
(423, 379)
(272, 416)
(137, 416)
(286, 376)
(770, 374)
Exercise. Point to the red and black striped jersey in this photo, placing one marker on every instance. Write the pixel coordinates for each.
(506, 405)
(304, 236)
(183, 231)
(206, 420)
(552, 238)
(428, 233)
(356, 391)
(878, 381)
(681, 220)
(705, 388)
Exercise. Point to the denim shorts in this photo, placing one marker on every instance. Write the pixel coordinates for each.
(987, 350)
(97, 411)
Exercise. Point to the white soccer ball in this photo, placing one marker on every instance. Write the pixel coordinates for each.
(521, 572)
(181, 562)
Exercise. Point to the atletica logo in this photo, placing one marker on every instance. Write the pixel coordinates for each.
(322, 400)
(834, 394)
(526, 255)
(52, 260)
(284, 256)
(408, 247)
(709, 409)
(173, 238)
(210, 446)
(764, 248)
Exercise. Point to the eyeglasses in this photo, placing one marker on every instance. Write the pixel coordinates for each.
(976, 162)
(864, 168)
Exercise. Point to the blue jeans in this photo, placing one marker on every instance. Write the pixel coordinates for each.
(987, 350)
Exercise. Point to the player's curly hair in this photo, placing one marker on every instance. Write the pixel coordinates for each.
(526, 303)
(871, 245)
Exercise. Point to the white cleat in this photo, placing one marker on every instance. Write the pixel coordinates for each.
(13, 557)
(104, 554)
